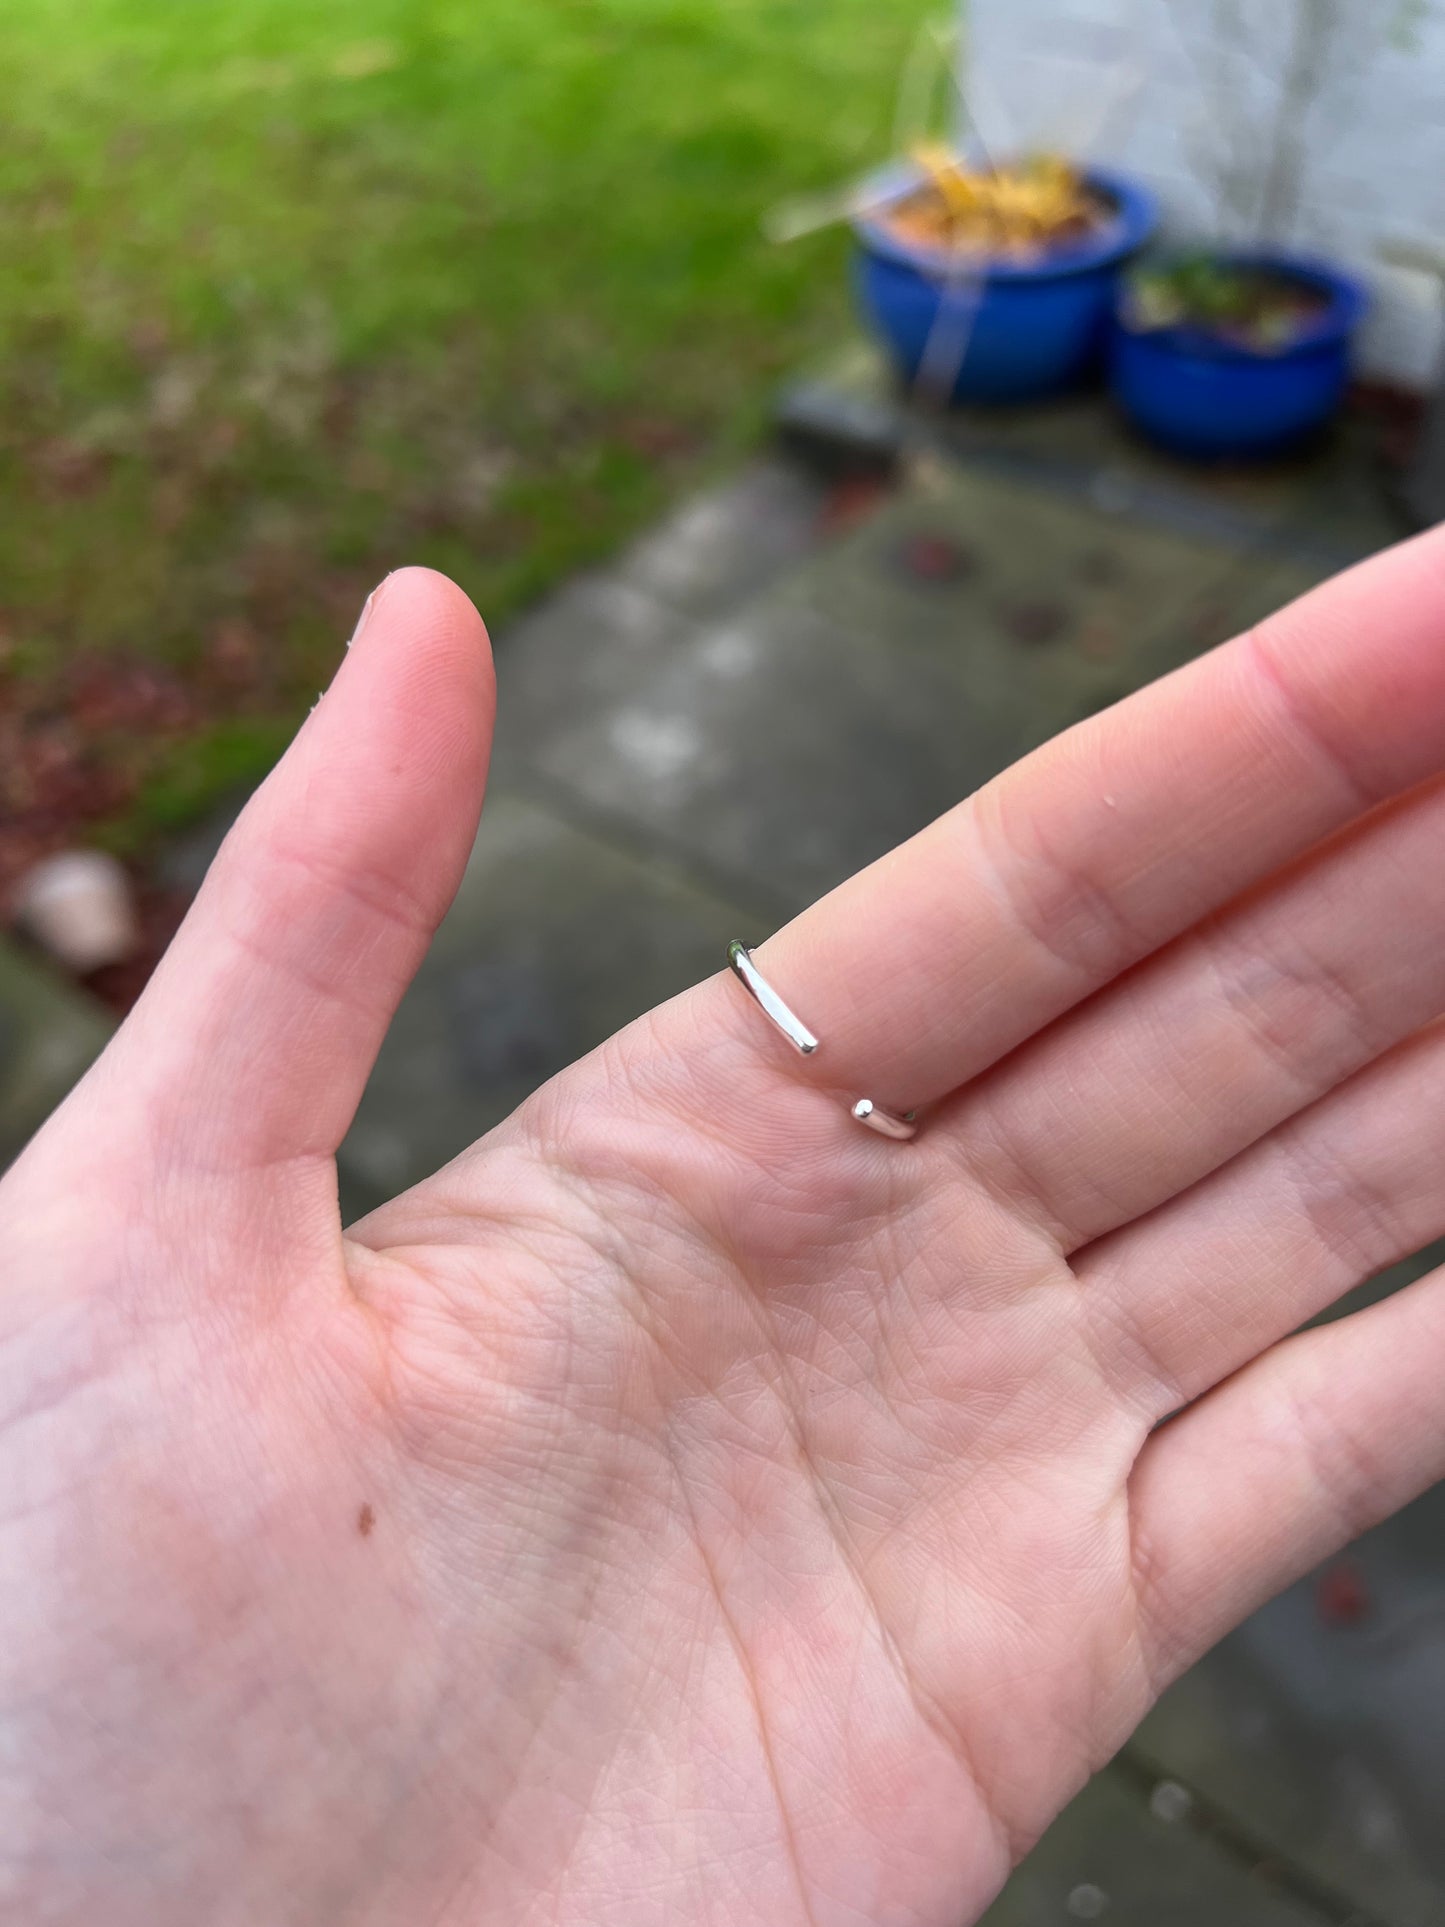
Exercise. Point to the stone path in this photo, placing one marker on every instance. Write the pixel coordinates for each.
(49, 1034)
(696, 742)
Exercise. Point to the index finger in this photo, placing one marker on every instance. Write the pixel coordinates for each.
(936, 961)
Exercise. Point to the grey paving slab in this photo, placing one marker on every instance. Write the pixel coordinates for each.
(1320, 1724)
(1081, 440)
(1035, 601)
(555, 941)
(778, 750)
(596, 643)
(1265, 582)
(723, 546)
(1071, 442)
(1332, 496)
(782, 746)
(1345, 496)
(1109, 1858)
(1260, 583)
(49, 1035)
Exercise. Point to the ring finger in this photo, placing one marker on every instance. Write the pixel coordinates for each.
(1190, 1294)
(1256, 1013)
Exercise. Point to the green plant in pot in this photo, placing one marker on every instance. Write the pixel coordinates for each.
(1255, 305)
(1241, 348)
(1231, 356)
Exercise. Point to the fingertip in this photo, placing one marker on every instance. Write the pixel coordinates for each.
(432, 611)
(428, 593)
(417, 683)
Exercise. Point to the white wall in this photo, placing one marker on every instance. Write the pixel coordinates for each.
(1187, 94)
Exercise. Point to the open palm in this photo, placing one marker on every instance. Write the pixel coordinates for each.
(688, 1506)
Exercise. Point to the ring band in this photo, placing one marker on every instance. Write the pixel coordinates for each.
(787, 1021)
(784, 1018)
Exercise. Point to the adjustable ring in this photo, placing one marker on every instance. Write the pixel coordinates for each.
(784, 1018)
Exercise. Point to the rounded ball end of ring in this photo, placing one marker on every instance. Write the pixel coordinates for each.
(885, 1123)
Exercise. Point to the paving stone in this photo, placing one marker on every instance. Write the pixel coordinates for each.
(183, 861)
(592, 645)
(555, 941)
(891, 674)
(1345, 498)
(840, 430)
(1267, 583)
(1080, 440)
(49, 1035)
(1069, 440)
(1109, 1858)
(722, 547)
(1036, 601)
(1331, 496)
(1320, 1724)
(1260, 582)
(779, 750)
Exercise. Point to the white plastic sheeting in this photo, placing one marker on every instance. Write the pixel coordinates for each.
(1319, 123)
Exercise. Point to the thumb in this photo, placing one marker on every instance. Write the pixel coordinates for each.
(255, 1037)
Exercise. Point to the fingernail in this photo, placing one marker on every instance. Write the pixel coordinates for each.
(362, 619)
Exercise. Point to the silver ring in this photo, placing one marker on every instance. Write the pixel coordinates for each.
(784, 1018)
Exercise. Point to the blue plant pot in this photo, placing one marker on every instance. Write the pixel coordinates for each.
(1197, 395)
(1023, 329)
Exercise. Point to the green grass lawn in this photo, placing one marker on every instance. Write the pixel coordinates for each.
(295, 292)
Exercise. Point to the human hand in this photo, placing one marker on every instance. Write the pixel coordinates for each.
(688, 1506)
